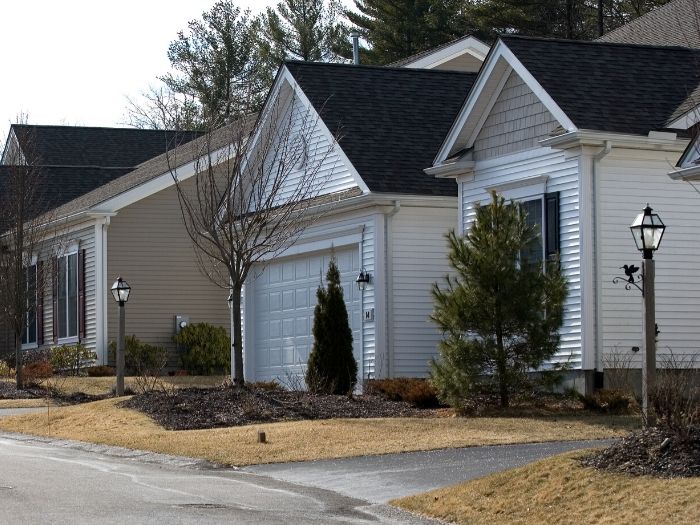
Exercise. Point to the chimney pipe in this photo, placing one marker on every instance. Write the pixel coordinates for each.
(355, 47)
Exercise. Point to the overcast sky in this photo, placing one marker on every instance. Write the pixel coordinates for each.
(74, 61)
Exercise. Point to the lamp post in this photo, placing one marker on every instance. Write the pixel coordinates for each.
(120, 292)
(363, 279)
(647, 230)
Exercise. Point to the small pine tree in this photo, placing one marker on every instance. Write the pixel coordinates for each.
(332, 368)
(500, 316)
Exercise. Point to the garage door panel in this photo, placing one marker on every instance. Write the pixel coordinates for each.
(285, 297)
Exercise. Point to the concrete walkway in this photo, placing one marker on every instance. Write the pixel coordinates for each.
(378, 479)
(18, 411)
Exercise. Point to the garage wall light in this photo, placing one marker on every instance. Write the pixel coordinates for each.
(363, 279)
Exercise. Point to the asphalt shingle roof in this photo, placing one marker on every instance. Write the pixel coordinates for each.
(613, 87)
(390, 121)
(672, 24)
(91, 146)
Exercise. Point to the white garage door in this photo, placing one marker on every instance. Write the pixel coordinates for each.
(284, 301)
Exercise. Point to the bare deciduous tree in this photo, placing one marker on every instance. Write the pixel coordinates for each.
(23, 209)
(256, 188)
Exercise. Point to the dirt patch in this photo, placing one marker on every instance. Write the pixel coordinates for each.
(651, 451)
(225, 406)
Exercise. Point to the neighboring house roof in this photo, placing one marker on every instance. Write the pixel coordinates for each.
(154, 168)
(390, 122)
(674, 24)
(612, 87)
(450, 55)
(91, 146)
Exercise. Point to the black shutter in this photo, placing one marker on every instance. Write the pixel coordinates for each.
(81, 294)
(551, 221)
(40, 303)
(54, 297)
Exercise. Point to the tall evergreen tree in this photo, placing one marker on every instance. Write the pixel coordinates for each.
(396, 29)
(308, 30)
(332, 368)
(500, 315)
(217, 64)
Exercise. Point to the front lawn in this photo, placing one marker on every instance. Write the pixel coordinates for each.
(560, 491)
(105, 422)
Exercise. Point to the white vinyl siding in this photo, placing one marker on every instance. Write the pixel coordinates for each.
(628, 180)
(418, 251)
(562, 177)
(517, 121)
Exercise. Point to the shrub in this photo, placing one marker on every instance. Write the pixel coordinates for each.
(332, 368)
(207, 350)
(143, 360)
(607, 401)
(268, 386)
(675, 398)
(418, 392)
(36, 370)
(6, 370)
(100, 371)
(71, 359)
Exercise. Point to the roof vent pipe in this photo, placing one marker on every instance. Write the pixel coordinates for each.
(355, 47)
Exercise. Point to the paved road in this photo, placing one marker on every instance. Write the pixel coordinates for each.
(42, 481)
(379, 479)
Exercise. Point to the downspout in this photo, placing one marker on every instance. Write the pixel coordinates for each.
(389, 317)
(597, 158)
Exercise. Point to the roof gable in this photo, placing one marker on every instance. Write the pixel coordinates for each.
(609, 87)
(389, 121)
(464, 54)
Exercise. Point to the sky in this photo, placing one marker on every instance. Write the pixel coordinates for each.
(74, 62)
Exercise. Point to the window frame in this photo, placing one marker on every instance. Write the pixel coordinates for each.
(68, 339)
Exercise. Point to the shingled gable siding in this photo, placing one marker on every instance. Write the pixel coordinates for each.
(562, 176)
(85, 238)
(419, 258)
(148, 246)
(629, 179)
(517, 121)
(331, 172)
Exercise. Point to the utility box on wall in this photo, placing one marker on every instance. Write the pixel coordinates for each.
(181, 321)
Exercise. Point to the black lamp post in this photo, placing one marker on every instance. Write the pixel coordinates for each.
(120, 292)
(648, 230)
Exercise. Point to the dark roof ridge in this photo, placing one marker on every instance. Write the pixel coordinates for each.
(594, 42)
(67, 126)
(407, 70)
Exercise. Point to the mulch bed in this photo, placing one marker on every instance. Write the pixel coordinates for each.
(8, 390)
(652, 451)
(225, 406)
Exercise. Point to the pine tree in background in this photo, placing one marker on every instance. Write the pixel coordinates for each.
(396, 29)
(332, 368)
(499, 317)
(308, 30)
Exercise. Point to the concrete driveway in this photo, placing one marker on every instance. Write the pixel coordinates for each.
(378, 479)
(45, 481)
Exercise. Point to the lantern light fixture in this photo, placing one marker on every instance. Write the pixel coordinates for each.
(647, 230)
(363, 279)
(120, 291)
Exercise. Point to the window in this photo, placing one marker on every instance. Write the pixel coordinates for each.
(66, 296)
(30, 333)
(543, 215)
(534, 252)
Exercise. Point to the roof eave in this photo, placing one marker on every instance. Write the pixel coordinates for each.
(664, 141)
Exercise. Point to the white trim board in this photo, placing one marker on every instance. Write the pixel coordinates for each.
(464, 46)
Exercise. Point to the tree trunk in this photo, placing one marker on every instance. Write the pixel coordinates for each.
(502, 371)
(19, 380)
(237, 354)
(601, 28)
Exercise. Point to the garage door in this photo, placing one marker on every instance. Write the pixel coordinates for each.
(284, 301)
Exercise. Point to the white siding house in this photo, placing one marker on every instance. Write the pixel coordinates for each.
(551, 117)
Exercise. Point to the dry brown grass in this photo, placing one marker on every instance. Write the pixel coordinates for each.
(23, 403)
(103, 422)
(103, 385)
(559, 491)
